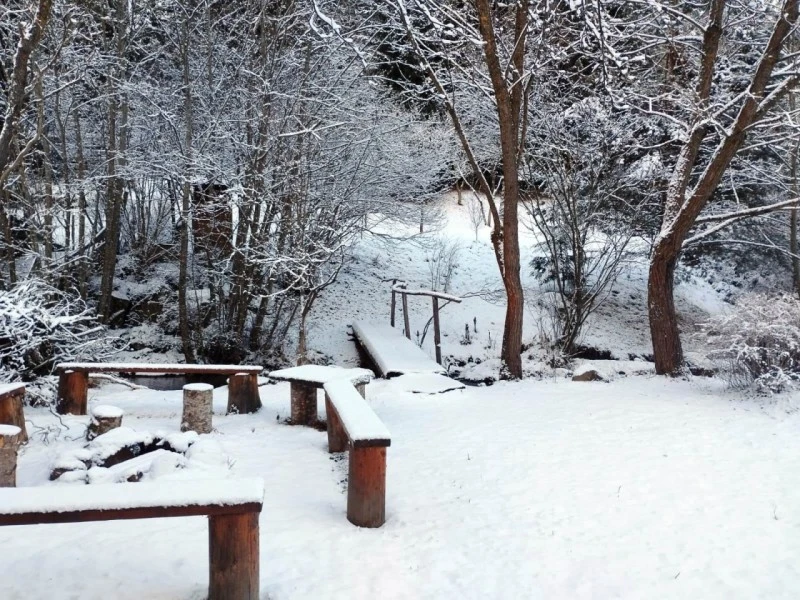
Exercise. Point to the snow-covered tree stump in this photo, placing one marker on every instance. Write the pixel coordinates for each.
(9, 443)
(243, 393)
(11, 412)
(197, 406)
(104, 418)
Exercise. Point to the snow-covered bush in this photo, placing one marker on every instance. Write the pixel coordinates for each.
(40, 326)
(760, 340)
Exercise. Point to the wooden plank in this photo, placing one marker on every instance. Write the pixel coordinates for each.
(158, 368)
(151, 512)
(363, 427)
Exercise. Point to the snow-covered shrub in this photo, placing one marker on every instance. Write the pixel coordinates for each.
(760, 340)
(40, 326)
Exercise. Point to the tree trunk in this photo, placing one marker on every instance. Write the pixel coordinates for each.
(197, 407)
(664, 331)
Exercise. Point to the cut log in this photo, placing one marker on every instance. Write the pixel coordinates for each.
(11, 408)
(304, 403)
(233, 557)
(72, 391)
(9, 443)
(243, 395)
(197, 406)
(366, 486)
(104, 419)
(337, 437)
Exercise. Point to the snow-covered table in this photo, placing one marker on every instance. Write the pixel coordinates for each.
(305, 380)
(353, 425)
(232, 507)
(73, 382)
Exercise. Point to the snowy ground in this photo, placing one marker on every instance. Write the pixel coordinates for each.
(643, 488)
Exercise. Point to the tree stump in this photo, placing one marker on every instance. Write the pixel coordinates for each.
(197, 406)
(243, 394)
(104, 418)
(9, 443)
(72, 392)
(337, 438)
(304, 403)
(366, 486)
(11, 411)
(233, 557)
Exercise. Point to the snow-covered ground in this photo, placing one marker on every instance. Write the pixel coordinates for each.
(641, 488)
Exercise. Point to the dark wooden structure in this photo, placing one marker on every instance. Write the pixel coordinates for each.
(305, 380)
(232, 507)
(11, 408)
(353, 426)
(73, 382)
(404, 292)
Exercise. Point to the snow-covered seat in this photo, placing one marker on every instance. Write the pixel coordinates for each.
(232, 507)
(305, 380)
(73, 382)
(354, 426)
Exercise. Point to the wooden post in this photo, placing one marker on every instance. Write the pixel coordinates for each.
(233, 557)
(11, 412)
(437, 337)
(104, 419)
(243, 395)
(9, 443)
(337, 438)
(366, 486)
(304, 403)
(73, 388)
(197, 407)
(394, 302)
(405, 314)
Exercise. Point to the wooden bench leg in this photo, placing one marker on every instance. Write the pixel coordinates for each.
(233, 557)
(72, 390)
(366, 487)
(11, 413)
(304, 403)
(337, 438)
(243, 394)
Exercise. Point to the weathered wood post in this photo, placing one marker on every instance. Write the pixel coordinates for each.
(72, 391)
(197, 407)
(366, 486)
(11, 409)
(233, 557)
(337, 438)
(243, 395)
(405, 314)
(304, 403)
(394, 303)
(9, 444)
(437, 337)
(104, 419)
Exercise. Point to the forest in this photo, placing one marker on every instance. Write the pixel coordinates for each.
(208, 167)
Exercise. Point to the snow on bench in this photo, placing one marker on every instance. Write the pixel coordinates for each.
(233, 508)
(362, 425)
(306, 379)
(392, 353)
(73, 382)
(353, 425)
(11, 407)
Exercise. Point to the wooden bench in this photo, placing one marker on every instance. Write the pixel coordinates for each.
(305, 380)
(232, 507)
(353, 426)
(11, 411)
(73, 382)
